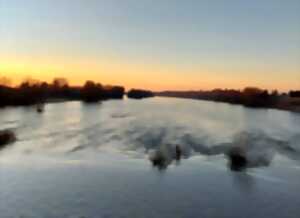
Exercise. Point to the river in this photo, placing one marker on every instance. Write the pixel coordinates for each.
(80, 160)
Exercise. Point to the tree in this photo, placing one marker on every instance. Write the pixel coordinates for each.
(92, 92)
(256, 97)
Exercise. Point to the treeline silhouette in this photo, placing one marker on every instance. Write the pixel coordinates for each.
(139, 93)
(31, 92)
(93, 92)
(250, 97)
(295, 94)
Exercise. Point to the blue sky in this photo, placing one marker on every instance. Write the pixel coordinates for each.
(226, 38)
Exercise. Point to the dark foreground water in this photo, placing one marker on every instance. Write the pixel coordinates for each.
(93, 161)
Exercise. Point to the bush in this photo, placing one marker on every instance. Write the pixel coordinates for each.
(6, 137)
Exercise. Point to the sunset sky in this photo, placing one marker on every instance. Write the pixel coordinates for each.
(153, 44)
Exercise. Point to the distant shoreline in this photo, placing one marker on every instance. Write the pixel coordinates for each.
(39, 93)
(282, 102)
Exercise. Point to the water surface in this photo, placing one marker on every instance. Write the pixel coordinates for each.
(79, 160)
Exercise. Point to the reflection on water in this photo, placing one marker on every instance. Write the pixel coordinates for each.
(155, 129)
(74, 152)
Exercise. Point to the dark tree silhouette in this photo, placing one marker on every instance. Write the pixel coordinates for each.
(294, 94)
(33, 92)
(139, 94)
(92, 92)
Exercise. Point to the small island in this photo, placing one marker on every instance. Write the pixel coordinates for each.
(139, 94)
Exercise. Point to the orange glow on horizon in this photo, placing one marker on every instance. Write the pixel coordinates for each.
(156, 77)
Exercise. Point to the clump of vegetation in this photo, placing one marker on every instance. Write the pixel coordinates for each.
(93, 92)
(237, 159)
(139, 94)
(165, 155)
(6, 137)
(159, 160)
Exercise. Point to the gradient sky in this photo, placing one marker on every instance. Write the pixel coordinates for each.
(154, 44)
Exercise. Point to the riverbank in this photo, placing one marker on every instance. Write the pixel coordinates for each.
(289, 104)
(252, 98)
(30, 94)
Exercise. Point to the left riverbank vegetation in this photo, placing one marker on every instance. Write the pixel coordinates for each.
(32, 92)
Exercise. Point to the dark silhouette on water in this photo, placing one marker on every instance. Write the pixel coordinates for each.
(246, 150)
(40, 108)
(159, 161)
(178, 152)
(6, 137)
(165, 155)
(237, 159)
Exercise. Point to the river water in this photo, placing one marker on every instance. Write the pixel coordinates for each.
(80, 160)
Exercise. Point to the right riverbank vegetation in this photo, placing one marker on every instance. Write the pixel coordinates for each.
(33, 92)
(249, 97)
